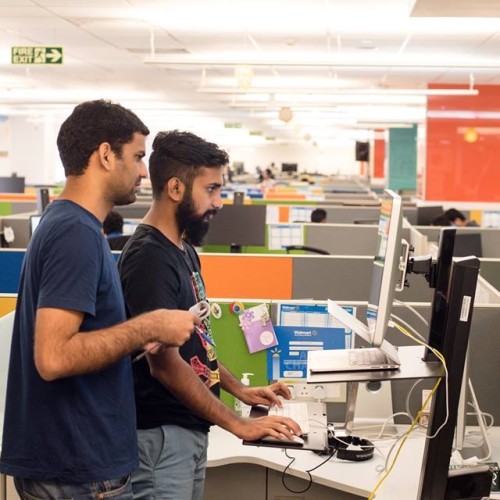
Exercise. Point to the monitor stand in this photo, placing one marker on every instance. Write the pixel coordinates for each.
(483, 449)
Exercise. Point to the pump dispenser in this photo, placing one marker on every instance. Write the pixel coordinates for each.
(241, 408)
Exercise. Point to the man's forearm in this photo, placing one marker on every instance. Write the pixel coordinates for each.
(229, 382)
(174, 373)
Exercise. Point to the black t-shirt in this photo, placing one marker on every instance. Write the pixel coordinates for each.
(156, 274)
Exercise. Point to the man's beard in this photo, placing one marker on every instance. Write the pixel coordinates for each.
(193, 226)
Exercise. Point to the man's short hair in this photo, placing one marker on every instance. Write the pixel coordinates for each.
(90, 124)
(182, 155)
(318, 215)
(453, 214)
(113, 223)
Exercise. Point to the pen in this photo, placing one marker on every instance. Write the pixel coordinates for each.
(205, 336)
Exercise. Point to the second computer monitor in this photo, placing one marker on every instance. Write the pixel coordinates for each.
(238, 226)
(386, 271)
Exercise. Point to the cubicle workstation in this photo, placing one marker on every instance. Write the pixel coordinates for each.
(345, 239)
(20, 226)
(489, 238)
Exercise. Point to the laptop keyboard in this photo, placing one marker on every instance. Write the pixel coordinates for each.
(367, 357)
(295, 411)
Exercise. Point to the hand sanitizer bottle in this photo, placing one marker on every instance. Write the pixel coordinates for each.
(241, 408)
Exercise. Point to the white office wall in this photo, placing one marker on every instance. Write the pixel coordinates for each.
(4, 146)
(33, 151)
(328, 159)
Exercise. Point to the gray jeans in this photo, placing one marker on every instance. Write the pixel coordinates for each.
(172, 463)
(117, 489)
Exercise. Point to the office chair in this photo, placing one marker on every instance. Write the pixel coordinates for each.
(288, 248)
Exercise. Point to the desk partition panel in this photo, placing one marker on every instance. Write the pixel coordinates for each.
(490, 237)
(490, 271)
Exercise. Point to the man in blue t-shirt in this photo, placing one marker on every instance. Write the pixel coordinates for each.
(69, 429)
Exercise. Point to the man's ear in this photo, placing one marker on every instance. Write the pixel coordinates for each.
(104, 151)
(175, 189)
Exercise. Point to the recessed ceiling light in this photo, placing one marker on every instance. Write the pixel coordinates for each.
(366, 45)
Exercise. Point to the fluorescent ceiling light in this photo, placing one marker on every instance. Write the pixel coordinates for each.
(334, 91)
(315, 60)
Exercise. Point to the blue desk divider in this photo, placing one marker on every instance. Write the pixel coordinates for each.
(10, 270)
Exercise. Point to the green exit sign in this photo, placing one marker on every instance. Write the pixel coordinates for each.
(233, 125)
(37, 55)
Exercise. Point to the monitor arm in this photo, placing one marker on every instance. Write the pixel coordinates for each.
(423, 264)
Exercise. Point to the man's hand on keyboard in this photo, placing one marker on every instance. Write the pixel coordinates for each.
(267, 396)
(252, 429)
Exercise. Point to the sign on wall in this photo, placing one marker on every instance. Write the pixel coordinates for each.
(37, 55)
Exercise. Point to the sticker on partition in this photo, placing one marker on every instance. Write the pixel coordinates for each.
(257, 328)
(216, 311)
(236, 307)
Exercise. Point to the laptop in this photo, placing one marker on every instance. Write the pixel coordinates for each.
(384, 357)
(316, 438)
(387, 277)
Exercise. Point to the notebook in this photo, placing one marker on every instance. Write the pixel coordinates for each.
(315, 440)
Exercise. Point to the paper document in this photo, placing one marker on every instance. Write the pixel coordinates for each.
(350, 321)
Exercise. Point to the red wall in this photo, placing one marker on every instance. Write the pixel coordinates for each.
(457, 169)
(379, 155)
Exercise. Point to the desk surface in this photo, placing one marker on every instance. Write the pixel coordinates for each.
(358, 478)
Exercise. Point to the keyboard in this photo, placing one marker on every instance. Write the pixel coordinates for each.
(295, 411)
(367, 357)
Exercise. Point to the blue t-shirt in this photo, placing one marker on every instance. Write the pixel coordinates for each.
(77, 429)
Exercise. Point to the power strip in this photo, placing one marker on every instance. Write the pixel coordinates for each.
(329, 393)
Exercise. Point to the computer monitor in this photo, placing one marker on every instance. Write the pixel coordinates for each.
(426, 214)
(238, 226)
(238, 167)
(289, 168)
(468, 244)
(34, 221)
(12, 184)
(386, 270)
(439, 308)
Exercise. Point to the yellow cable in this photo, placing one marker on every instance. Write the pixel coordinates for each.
(416, 419)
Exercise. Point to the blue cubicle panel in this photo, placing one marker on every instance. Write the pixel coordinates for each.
(10, 269)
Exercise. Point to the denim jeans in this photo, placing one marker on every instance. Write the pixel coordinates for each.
(117, 489)
(172, 463)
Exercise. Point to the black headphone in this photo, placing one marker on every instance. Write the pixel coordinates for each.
(351, 448)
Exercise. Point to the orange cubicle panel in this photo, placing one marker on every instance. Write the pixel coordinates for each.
(463, 146)
(7, 304)
(247, 276)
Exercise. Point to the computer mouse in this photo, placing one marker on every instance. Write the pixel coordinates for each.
(297, 439)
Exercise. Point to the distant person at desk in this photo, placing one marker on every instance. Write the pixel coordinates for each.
(112, 227)
(177, 391)
(267, 179)
(458, 219)
(69, 429)
(318, 215)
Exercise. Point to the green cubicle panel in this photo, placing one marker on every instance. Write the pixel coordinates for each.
(5, 207)
(232, 349)
(402, 158)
